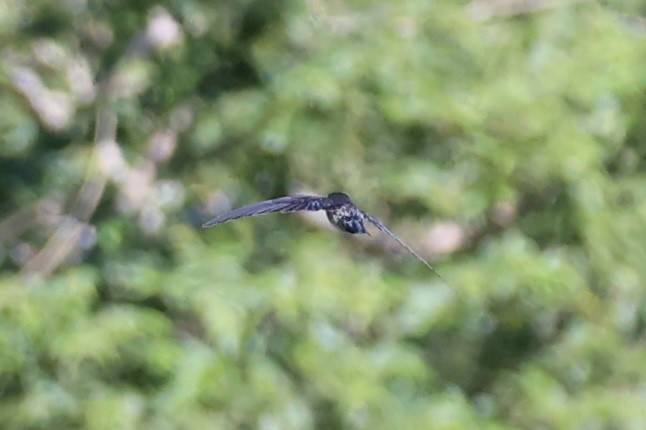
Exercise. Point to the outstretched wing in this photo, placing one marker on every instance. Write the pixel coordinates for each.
(281, 204)
(385, 229)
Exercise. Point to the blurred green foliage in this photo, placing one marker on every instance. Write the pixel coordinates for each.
(505, 140)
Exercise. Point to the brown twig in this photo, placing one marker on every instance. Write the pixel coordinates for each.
(67, 235)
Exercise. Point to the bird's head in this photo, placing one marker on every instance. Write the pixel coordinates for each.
(338, 197)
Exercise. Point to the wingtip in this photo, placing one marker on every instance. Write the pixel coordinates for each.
(431, 268)
(210, 223)
(436, 272)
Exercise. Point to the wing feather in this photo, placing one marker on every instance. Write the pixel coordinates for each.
(385, 229)
(281, 204)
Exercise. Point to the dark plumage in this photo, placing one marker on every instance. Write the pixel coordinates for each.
(340, 210)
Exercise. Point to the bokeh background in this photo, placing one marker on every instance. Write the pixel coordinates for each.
(505, 140)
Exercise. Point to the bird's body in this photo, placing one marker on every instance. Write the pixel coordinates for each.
(338, 207)
(347, 218)
(344, 214)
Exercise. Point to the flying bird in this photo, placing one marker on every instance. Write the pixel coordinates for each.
(338, 207)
